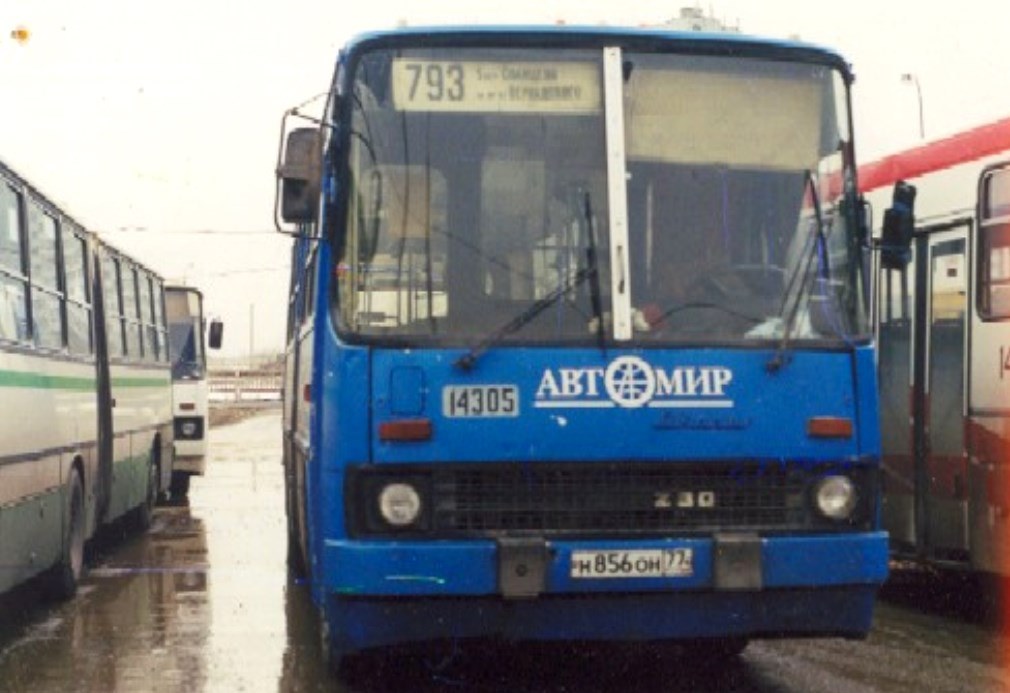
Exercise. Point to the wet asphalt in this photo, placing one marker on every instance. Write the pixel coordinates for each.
(203, 602)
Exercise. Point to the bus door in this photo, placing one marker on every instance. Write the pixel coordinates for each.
(105, 403)
(896, 317)
(921, 316)
(298, 378)
(988, 426)
(944, 482)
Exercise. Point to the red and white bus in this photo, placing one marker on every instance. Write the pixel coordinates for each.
(944, 328)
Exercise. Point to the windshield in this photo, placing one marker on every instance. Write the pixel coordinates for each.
(479, 189)
(185, 333)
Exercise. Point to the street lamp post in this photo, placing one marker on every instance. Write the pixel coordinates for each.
(910, 78)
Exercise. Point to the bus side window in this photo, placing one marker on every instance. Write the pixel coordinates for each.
(113, 306)
(994, 247)
(293, 290)
(46, 311)
(78, 304)
(994, 271)
(13, 284)
(160, 326)
(147, 329)
(308, 309)
(128, 282)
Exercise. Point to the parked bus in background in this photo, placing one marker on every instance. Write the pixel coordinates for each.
(579, 343)
(943, 317)
(85, 389)
(186, 326)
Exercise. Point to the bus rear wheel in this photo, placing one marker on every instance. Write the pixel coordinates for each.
(66, 574)
(145, 512)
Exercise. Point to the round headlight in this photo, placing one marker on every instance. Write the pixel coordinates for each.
(399, 504)
(836, 497)
(189, 429)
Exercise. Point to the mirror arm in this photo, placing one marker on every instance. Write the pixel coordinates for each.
(279, 168)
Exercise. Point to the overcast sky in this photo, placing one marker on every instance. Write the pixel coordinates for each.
(151, 121)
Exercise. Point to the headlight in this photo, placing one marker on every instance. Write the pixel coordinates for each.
(400, 504)
(836, 497)
(189, 429)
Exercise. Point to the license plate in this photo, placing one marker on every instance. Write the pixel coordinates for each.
(633, 564)
(471, 401)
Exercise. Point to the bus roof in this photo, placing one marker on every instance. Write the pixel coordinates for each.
(176, 286)
(962, 147)
(722, 43)
(21, 183)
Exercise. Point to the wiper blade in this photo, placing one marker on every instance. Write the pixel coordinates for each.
(467, 360)
(708, 305)
(589, 272)
(801, 273)
(592, 265)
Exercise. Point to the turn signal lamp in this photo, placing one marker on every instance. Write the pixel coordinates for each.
(405, 430)
(829, 427)
(21, 35)
(187, 406)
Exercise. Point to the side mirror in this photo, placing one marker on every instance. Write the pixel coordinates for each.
(216, 334)
(898, 228)
(299, 176)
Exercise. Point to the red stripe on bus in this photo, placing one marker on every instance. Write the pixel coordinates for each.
(962, 147)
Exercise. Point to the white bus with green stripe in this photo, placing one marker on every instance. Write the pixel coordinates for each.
(85, 389)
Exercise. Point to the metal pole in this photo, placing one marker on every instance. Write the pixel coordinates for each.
(252, 326)
(908, 77)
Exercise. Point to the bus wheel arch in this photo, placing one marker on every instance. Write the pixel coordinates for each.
(64, 577)
(152, 487)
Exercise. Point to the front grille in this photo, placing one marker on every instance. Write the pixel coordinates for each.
(606, 499)
(616, 499)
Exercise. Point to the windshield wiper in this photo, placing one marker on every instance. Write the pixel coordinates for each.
(802, 273)
(595, 298)
(589, 272)
(467, 360)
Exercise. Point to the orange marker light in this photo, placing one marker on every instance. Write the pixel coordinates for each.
(187, 406)
(405, 430)
(21, 35)
(829, 427)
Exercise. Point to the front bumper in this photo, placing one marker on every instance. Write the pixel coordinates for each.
(471, 568)
(189, 458)
(385, 593)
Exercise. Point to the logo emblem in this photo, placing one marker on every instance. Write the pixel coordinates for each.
(630, 382)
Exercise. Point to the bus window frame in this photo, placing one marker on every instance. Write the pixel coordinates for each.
(986, 225)
(20, 276)
(83, 302)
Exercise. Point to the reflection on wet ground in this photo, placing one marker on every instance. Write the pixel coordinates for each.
(203, 603)
(196, 604)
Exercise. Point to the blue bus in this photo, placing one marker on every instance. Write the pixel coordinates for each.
(579, 344)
